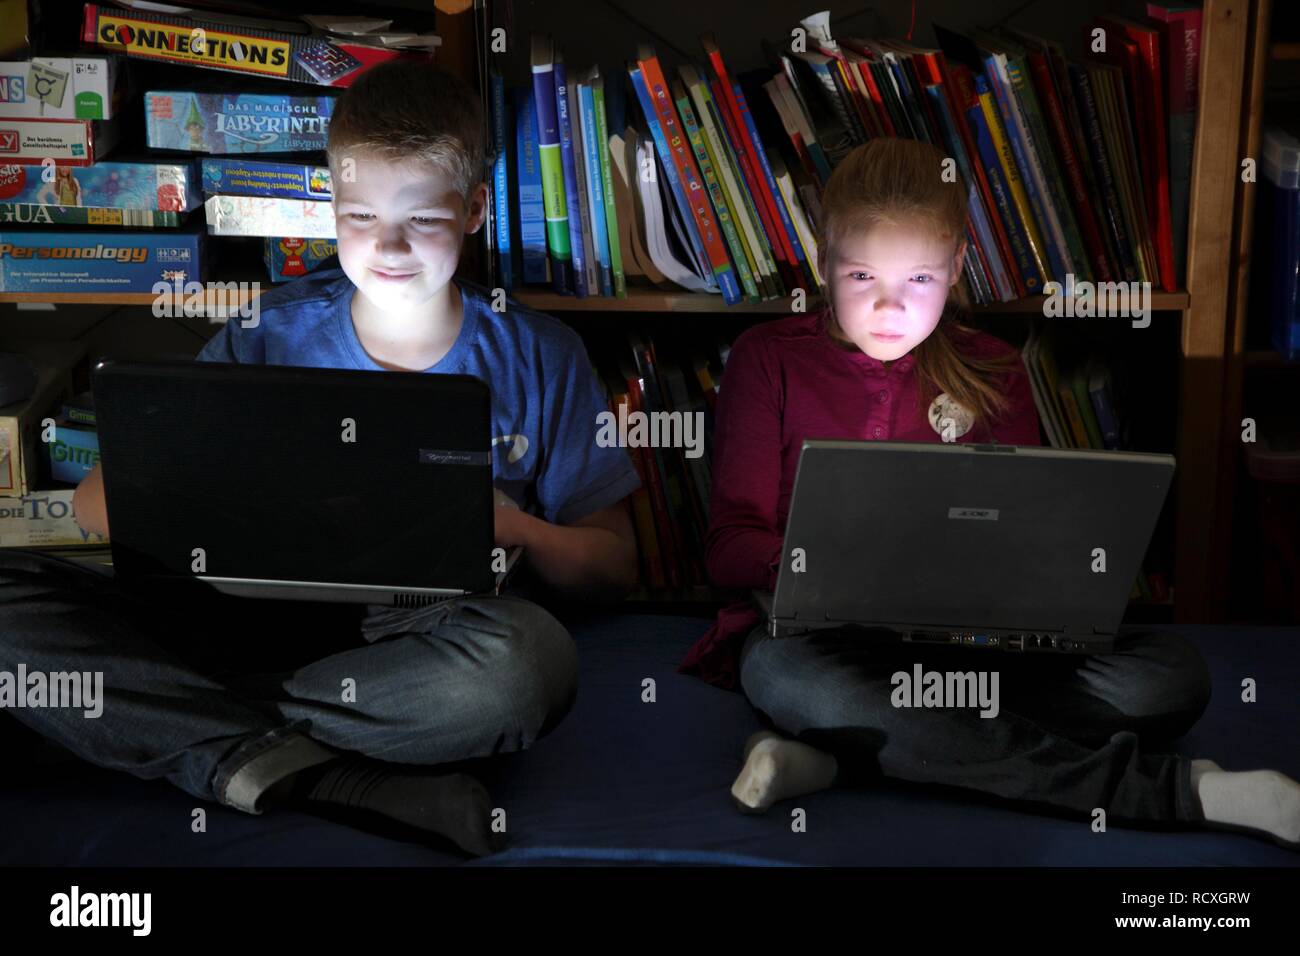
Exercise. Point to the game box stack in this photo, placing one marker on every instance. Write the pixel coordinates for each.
(239, 132)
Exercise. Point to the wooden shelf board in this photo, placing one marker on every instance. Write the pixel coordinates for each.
(1285, 51)
(647, 301)
(544, 301)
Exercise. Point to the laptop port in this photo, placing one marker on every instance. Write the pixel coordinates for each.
(1016, 643)
(981, 638)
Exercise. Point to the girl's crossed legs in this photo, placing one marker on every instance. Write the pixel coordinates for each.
(1070, 732)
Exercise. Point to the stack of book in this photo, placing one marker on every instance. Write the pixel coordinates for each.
(589, 192)
(1073, 168)
(663, 403)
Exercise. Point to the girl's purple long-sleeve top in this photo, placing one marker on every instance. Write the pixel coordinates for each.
(786, 381)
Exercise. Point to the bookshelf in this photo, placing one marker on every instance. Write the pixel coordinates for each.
(1209, 356)
(1243, 361)
(1201, 309)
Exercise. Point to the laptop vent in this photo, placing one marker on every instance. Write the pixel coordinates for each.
(415, 600)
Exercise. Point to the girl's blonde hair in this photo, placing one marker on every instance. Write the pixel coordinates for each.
(899, 182)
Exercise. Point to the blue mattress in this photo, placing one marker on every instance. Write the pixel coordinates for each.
(626, 782)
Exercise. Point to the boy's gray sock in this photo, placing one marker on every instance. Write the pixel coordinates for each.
(404, 803)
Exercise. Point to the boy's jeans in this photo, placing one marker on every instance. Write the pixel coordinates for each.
(1071, 733)
(468, 678)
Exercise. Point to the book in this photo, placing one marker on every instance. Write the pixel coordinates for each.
(569, 167)
(603, 147)
(593, 147)
(500, 119)
(1180, 27)
(724, 95)
(1015, 185)
(531, 220)
(1146, 78)
(1113, 218)
(741, 202)
(554, 196)
(714, 186)
(675, 151)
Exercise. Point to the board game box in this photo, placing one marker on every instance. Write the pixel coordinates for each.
(66, 142)
(167, 187)
(310, 57)
(97, 261)
(262, 216)
(288, 258)
(228, 122)
(44, 519)
(239, 177)
(92, 88)
(35, 214)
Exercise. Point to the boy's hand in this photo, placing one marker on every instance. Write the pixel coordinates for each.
(509, 532)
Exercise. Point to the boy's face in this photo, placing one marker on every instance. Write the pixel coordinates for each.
(400, 229)
(888, 285)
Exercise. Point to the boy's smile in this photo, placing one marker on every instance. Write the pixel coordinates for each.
(400, 230)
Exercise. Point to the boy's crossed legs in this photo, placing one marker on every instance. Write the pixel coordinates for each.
(468, 678)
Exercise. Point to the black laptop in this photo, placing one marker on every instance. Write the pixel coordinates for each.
(991, 546)
(300, 483)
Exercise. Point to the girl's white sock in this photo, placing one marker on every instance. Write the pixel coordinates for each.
(1258, 799)
(777, 769)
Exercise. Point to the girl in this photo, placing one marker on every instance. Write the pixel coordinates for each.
(887, 359)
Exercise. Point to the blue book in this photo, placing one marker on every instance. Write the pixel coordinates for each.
(554, 200)
(501, 183)
(571, 185)
(1008, 106)
(528, 175)
(595, 188)
(979, 217)
(669, 169)
(1006, 210)
(786, 222)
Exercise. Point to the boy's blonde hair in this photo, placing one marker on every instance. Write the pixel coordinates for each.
(406, 110)
(899, 182)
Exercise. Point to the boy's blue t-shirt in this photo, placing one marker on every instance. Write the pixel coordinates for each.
(545, 398)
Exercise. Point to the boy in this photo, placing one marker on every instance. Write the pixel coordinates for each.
(468, 678)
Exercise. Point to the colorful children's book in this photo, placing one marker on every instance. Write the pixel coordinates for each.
(554, 196)
(528, 176)
(593, 147)
(569, 166)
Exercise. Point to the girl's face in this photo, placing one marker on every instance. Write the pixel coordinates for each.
(888, 285)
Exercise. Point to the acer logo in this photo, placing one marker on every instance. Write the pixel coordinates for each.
(978, 514)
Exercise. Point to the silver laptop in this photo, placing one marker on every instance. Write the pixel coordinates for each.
(992, 546)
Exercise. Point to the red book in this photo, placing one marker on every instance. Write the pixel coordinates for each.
(869, 79)
(960, 89)
(652, 561)
(697, 197)
(1083, 208)
(1140, 57)
(664, 524)
(747, 153)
